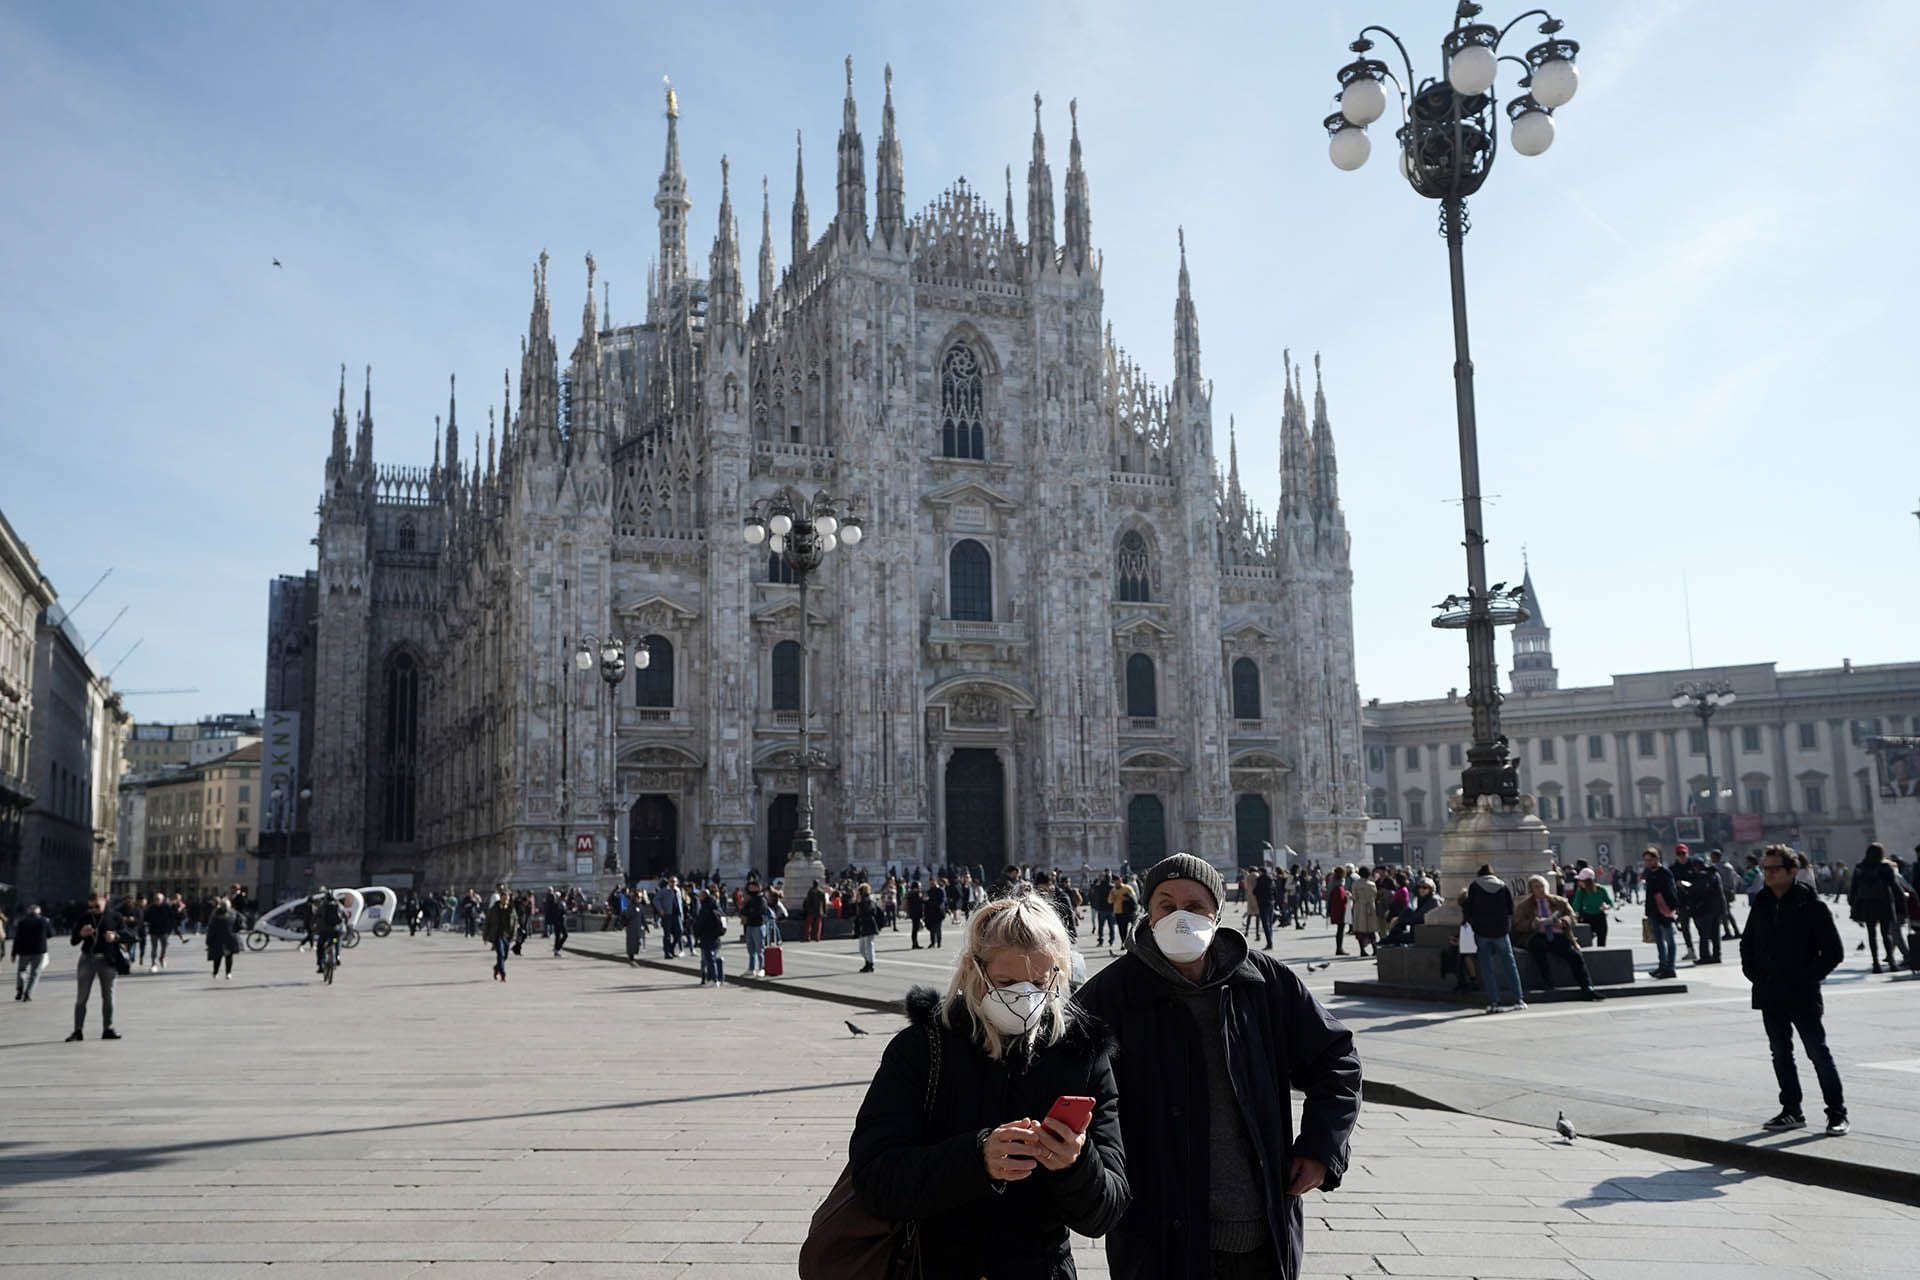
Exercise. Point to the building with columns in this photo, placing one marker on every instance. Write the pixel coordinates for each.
(1067, 638)
(1616, 767)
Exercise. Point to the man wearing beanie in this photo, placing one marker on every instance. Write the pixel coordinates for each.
(1213, 1039)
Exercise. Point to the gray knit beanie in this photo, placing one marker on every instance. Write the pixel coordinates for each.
(1183, 866)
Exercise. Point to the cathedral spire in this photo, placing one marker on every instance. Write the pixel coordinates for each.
(1236, 497)
(363, 443)
(1296, 470)
(453, 436)
(1039, 195)
(726, 292)
(1079, 212)
(802, 239)
(851, 218)
(506, 422)
(338, 458)
(1326, 469)
(765, 298)
(539, 369)
(672, 203)
(1186, 332)
(891, 192)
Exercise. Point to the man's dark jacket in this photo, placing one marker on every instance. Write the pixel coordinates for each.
(1489, 907)
(30, 934)
(905, 1165)
(1700, 889)
(1658, 880)
(108, 920)
(1789, 946)
(1278, 1039)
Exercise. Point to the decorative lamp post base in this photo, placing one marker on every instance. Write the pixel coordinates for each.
(1514, 843)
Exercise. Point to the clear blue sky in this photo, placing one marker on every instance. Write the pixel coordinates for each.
(1692, 318)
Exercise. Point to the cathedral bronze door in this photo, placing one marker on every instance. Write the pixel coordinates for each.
(1146, 832)
(976, 809)
(653, 844)
(783, 819)
(1252, 828)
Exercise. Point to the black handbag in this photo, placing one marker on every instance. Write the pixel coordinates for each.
(846, 1242)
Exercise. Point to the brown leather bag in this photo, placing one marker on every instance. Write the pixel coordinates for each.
(846, 1242)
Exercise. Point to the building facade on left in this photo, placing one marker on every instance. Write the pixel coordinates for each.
(62, 731)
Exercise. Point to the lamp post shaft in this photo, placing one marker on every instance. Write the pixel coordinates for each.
(803, 842)
(1485, 757)
(1706, 738)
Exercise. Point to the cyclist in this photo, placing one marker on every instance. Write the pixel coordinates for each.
(329, 924)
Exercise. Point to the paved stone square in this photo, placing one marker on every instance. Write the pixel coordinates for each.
(585, 1118)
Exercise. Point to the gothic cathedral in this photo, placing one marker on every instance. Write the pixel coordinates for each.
(1065, 639)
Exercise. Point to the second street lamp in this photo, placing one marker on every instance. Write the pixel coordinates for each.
(802, 536)
(611, 654)
(1703, 698)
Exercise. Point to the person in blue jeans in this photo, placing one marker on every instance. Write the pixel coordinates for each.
(1662, 910)
(709, 926)
(755, 919)
(1789, 947)
(1488, 905)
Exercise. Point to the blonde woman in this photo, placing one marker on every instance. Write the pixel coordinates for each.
(992, 1181)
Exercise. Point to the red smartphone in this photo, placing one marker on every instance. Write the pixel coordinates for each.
(1075, 1113)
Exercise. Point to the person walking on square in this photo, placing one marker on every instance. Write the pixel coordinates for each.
(1789, 947)
(223, 937)
(1702, 900)
(1265, 911)
(101, 933)
(1661, 909)
(955, 1132)
(667, 907)
(936, 909)
(1729, 889)
(1125, 900)
(813, 909)
(496, 928)
(916, 911)
(1871, 900)
(709, 926)
(866, 923)
(1544, 923)
(161, 922)
(31, 932)
(1489, 906)
(1364, 909)
(555, 914)
(1213, 1038)
(1338, 900)
(756, 920)
(635, 923)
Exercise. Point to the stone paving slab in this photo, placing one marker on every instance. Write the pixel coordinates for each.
(583, 1119)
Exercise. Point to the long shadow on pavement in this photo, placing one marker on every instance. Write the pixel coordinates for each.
(1668, 1185)
(47, 1165)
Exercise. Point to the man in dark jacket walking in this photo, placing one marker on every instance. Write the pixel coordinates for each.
(30, 934)
(1704, 900)
(1662, 910)
(101, 934)
(1213, 1037)
(555, 914)
(1789, 947)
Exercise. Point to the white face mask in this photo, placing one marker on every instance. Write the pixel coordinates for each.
(1183, 936)
(1013, 1010)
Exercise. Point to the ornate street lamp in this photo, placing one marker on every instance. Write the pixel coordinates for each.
(611, 653)
(1703, 698)
(1447, 143)
(802, 537)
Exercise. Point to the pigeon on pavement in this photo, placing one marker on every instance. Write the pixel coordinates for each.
(1315, 968)
(1564, 1127)
(856, 1030)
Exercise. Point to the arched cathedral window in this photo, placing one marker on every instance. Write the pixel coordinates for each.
(402, 731)
(1246, 689)
(1142, 696)
(786, 676)
(409, 539)
(653, 685)
(970, 582)
(1133, 570)
(962, 399)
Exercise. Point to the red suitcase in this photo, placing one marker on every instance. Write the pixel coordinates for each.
(773, 961)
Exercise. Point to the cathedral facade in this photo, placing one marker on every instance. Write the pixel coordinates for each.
(1067, 638)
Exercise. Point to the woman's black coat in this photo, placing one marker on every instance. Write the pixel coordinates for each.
(222, 938)
(708, 925)
(907, 1166)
